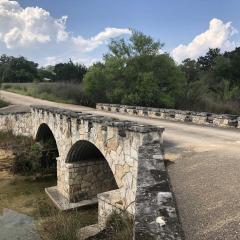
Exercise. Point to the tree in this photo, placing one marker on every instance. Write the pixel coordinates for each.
(17, 69)
(191, 70)
(69, 72)
(134, 72)
(46, 72)
(207, 62)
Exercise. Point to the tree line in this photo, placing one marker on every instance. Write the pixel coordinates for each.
(136, 72)
(21, 70)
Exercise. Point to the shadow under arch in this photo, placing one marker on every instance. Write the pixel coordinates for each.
(91, 172)
(84, 151)
(48, 142)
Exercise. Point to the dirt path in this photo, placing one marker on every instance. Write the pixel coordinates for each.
(205, 173)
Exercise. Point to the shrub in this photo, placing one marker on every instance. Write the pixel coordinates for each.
(58, 92)
(3, 103)
(27, 159)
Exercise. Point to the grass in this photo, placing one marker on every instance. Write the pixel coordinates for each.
(119, 227)
(65, 225)
(3, 103)
(56, 92)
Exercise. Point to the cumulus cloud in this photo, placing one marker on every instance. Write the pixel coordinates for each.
(217, 36)
(99, 39)
(87, 61)
(21, 27)
(24, 31)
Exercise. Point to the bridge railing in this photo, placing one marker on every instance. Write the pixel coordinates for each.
(204, 118)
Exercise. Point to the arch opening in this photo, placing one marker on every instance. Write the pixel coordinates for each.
(49, 148)
(89, 172)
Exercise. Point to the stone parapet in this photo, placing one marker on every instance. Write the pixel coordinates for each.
(108, 121)
(19, 123)
(204, 118)
(155, 208)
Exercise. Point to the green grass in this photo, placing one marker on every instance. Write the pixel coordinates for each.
(3, 103)
(56, 92)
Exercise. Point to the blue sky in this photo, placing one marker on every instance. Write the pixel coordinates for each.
(174, 22)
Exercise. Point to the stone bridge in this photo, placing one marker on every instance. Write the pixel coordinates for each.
(117, 164)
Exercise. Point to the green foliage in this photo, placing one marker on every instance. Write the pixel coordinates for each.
(17, 69)
(58, 92)
(69, 72)
(27, 159)
(134, 72)
(20, 70)
(213, 82)
(3, 103)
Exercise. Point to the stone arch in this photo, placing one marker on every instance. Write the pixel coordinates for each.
(83, 150)
(44, 133)
(89, 172)
(50, 151)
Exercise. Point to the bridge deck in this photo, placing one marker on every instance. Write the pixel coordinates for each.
(204, 172)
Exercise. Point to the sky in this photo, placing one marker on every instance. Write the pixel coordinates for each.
(51, 31)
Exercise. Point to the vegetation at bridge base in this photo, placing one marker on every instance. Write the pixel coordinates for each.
(135, 72)
(30, 158)
(55, 225)
(119, 227)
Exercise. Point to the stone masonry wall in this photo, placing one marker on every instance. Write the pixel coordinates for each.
(87, 179)
(205, 118)
(108, 203)
(17, 123)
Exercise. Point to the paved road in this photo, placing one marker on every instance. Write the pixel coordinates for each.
(204, 172)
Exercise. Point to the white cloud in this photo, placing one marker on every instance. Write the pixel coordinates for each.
(217, 36)
(22, 27)
(34, 33)
(87, 61)
(101, 38)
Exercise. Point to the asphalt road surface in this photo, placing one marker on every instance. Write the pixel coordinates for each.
(204, 171)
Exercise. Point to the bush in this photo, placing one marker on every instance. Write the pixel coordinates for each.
(27, 159)
(58, 92)
(3, 103)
